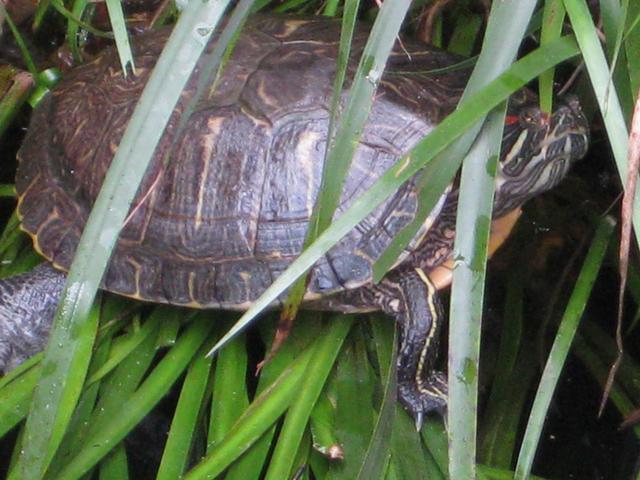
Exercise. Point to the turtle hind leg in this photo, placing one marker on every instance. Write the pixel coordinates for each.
(28, 304)
(410, 297)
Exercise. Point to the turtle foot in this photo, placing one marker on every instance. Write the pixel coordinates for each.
(428, 396)
(27, 306)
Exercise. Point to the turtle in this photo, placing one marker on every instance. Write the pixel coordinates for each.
(224, 206)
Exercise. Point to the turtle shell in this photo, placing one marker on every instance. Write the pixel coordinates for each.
(223, 208)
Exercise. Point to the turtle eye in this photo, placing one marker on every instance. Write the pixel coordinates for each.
(528, 117)
(533, 117)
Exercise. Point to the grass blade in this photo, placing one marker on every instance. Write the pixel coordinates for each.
(15, 87)
(473, 224)
(261, 414)
(354, 386)
(230, 396)
(337, 156)
(176, 451)
(561, 345)
(378, 451)
(15, 398)
(119, 27)
(599, 75)
(110, 430)
(507, 26)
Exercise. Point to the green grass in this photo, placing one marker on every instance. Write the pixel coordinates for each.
(332, 382)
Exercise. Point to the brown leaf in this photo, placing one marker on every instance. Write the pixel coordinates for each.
(633, 159)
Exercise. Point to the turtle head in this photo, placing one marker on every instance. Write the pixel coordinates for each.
(537, 150)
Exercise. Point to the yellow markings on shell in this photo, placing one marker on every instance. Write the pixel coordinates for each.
(362, 254)
(208, 142)
(191, 286)
(79, 128)
(266, 98)
(431, 292)
(405, 163)
(290, 27)
(136, 268)
(304, 154)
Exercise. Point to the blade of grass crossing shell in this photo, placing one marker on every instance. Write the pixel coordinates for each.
(176, 454)
(111, 430)
(119, 27)
(64, 368)
(561, 345)
(365, 82)
(599, 75)
(473, 222)
(318, 369)
(474, 109)
(335, 167)
(213, 63)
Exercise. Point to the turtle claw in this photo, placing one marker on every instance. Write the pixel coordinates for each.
(424, 398)
(419, 417)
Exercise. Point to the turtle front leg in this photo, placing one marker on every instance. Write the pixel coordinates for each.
(28, 304)
(410, 297)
